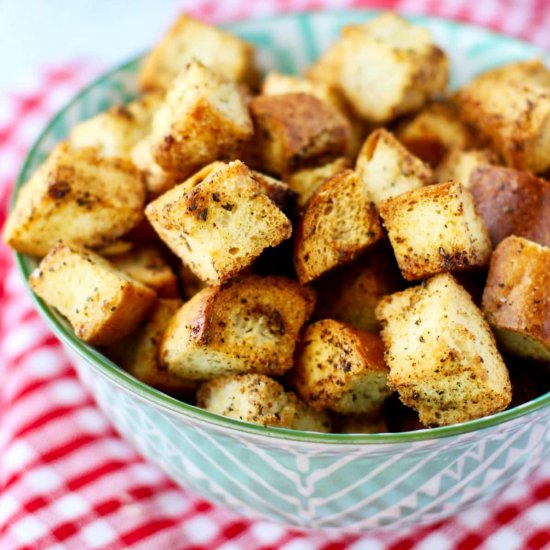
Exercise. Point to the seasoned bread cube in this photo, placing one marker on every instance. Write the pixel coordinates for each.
(78, 197)
(221, 225)
(435, 229)
(252, 398)
(203, 118)
(246, 325)
(512, 203)
(189, 39)
(442, 356)
(146, 265)
(459, 165)
(338, 224)
(138, 352)
(308, 419)
(510, 108)
(326, 67)
(516, 300)
(389, 67)
(101, 303)
(341, 368)
(387, 169)
(297, 130)
(351, 293)
(361, 424)
(306, 181)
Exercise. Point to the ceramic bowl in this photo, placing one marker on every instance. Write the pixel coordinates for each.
(320, 481)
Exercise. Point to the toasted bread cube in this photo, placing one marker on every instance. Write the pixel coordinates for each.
(436, 229)
(77, 197)
(297, 130)
(221, 225)
(387, 169)
(138, 352)
(203, 118)
(252, 398)
(512, 202)
(351, 293)
(247, 325)
(434, 131)
(189, 39)
(341, 368)
(146, 265)
(459, 165)
(338, 224)
(101, 303)
(326, 68)
(516, 300)
(307, 419)
(389, 67)
(306, 181)
(361, 424)
(442, 355)
(510, 108)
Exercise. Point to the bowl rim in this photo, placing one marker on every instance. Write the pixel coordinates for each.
(128, 383)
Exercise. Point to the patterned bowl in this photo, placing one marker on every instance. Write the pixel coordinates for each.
(321, 481)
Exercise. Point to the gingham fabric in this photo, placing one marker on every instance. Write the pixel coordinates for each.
(67, 480)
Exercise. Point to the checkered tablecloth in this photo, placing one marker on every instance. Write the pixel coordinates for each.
(67, 480)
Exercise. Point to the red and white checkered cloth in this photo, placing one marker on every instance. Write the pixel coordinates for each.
(67, 480)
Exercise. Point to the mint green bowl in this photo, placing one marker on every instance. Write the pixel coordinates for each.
(320, 481)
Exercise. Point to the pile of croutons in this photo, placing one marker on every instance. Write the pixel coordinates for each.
(353, 250)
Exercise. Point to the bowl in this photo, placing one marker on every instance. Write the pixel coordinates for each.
(308, 480)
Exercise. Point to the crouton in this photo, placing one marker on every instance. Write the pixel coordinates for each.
(442, 355)
(434, 131)
(203, 118)
(252, 398)
(246, 325)
(297, 130)
(340, 368)
(512, 202)
(78, 197)
(338, 224)
(510, 108)
(326, 67)
(306, 181)
(387, 169)
(350, 293)
(516, 299)
(361, 424)
(101, 303)
(116, 131)
(435, 229)
(138, 352)
(458, 165)
(221, 225)
(190, 283)
(189, 39)
(146, 265)
(389, 67)
(308, 419)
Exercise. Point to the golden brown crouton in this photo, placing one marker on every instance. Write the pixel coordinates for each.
(306, 181)
(459, 165)
(101, 303)
(341, 368)
(516, 298)
(146, 265)
(389, 67)
(249, 397)
(387, 169)
(297, 130)
(221, 225)
(350, 293)
(189, 39)
(246, 325)
(339, 223)
(435, 229)
(510, 108)
(202, 118)
(78, 197)
(442, 356)
(512, 203)
(308, 419)
(138, 352)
